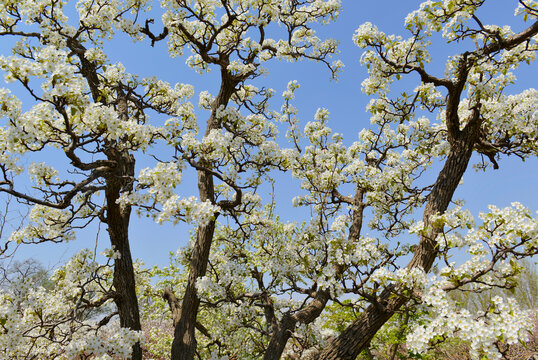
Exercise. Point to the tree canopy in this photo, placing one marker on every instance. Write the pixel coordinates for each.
(251, 283)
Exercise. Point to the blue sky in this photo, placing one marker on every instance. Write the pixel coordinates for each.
(514, 181)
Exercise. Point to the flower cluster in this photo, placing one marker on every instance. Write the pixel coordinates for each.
(42, 321)
(503, 322)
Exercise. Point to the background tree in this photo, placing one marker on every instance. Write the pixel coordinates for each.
(86, 108)
(29, 269)
(524, 290)
(70, 318)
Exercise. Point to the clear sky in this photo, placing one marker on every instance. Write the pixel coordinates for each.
(514, 181)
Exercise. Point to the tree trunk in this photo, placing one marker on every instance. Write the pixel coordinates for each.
(286, 327)
(184, 343)
(356, 337)
(117, 219)
(280, 337)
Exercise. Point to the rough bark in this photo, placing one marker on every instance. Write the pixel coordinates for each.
(280, 337)
(118, 181)
(184, 343)
(117, 219)
(118, 173)
(119, 177)
(287, 324)
(173, 304)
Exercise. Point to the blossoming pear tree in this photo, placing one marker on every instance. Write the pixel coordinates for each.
(81, 107)
(250, 284)
(475, 116)
(239, 145)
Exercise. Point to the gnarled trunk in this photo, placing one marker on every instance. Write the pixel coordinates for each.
(117, 219)
(184, 343)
